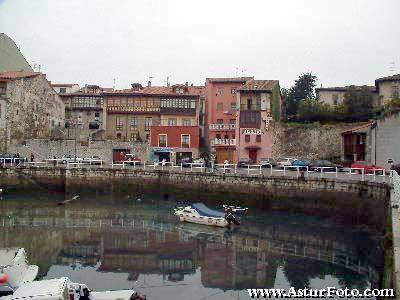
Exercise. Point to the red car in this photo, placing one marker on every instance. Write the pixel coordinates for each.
(367, 167)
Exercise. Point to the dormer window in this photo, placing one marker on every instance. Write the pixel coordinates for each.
(179, 90)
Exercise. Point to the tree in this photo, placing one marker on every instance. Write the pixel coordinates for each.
(313, 110)
(303, 89)
(358, 102)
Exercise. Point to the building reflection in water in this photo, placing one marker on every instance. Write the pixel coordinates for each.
(136, 241)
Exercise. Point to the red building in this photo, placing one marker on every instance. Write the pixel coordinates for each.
(173, 143)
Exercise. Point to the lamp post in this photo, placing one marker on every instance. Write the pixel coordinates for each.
(374, 126)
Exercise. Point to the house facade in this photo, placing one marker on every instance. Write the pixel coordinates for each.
(259, 103)
(65, 88)
(335, 95)
(221, 108)
(388, 88)
(29, 108)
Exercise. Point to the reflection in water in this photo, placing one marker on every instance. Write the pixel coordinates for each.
(114, 245)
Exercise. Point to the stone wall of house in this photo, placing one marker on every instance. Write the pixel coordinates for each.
(313, 141)
(35, 109)
(43, 149)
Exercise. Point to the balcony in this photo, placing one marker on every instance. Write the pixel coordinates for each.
(223, 142)
(222, 126)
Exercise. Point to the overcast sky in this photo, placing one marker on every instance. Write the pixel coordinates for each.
(94, 41)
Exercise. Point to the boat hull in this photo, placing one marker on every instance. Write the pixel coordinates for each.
(219, 222)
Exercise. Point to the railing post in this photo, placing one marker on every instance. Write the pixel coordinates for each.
(322, 168)
(336, 169)
(144, 165)
(248, 169)
(260, 170)
(235, 168)
(298, 171)
(181, 167)
(271, 169)
(362, 174)
(284, 170)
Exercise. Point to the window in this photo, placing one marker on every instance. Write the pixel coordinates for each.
(335, 99)
(119, 123)
(247, 138)
(233, 105)
(185, 139)
(220, 91)
(220, 106)
(186, 122)
(232, 121)
(220, 121)
(148, 122)
(147, 136)
(63, 90)
(233, 91)
(258, 138)
(133, 122)
(97, 115)
(119, 136)
(172, 122)
(218, 136)
(162, 140)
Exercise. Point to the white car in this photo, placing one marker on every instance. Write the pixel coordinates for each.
(286, 161)
(198, 161)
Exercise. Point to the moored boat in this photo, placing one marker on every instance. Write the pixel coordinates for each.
(14, 269)
(200, 214)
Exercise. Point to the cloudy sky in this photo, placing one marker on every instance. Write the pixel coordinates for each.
(95, 41)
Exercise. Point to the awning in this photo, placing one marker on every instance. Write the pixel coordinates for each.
(359, 129)
(164, 150)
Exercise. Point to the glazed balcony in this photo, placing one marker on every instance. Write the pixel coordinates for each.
(222, 126)
(223, 142)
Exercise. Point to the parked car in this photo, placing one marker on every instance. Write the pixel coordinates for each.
(243, 162)
(367, 167)
(302, 164)
(93, 160)
(287, 161)
(199, 161)
(396, 167)
(327, 165)
(133, 157)
(186, 162)
(268, 162)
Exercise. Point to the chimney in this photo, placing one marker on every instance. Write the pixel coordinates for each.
(136, 86)
(149, 83)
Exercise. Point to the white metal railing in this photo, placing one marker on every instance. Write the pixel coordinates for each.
(224, 142)
(222, 126)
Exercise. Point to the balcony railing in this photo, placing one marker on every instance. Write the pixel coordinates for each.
(223, 142)
(2, 90)
(222, 126)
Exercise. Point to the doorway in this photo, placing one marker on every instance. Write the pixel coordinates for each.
(253, 155)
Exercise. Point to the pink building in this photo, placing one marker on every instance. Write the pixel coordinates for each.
(259, 103)
(221, 111)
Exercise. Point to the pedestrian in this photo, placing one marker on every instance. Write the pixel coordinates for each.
(32, 157)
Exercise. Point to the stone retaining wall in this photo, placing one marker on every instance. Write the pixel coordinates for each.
(352, 201)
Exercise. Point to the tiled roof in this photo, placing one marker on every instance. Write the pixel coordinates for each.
(159, 90)
(360, 128)
(17, 75)
(344, 88)
(259, 85)
(229, 79)
(63, 84)
(389, 78)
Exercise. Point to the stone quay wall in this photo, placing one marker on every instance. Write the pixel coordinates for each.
(363, 203)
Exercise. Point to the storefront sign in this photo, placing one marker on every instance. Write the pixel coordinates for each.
(252, 131)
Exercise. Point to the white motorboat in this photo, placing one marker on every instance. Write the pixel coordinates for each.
(200, 214)
(14, 269)
(64, 289)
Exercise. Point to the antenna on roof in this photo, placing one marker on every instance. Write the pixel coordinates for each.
(392, 68)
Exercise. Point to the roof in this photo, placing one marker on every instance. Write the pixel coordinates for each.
(63, 84)
(360, 128)
(51, 287)
(229, 79)
(207, 212)
(10, 75)
(158, 91)
(344, 88)
(259, 85)
(388, 78)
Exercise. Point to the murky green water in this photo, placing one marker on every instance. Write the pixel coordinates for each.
(117, 243)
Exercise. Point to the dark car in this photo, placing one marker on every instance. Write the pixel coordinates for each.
(325, 165)
(243, 162)
(268, 162)
(301, 163)
(396, 168)
(186, 162)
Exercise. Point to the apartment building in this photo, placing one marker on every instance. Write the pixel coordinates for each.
(221, 110)
(259, 103)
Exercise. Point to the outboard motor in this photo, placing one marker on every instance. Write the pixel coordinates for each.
(231, 218)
